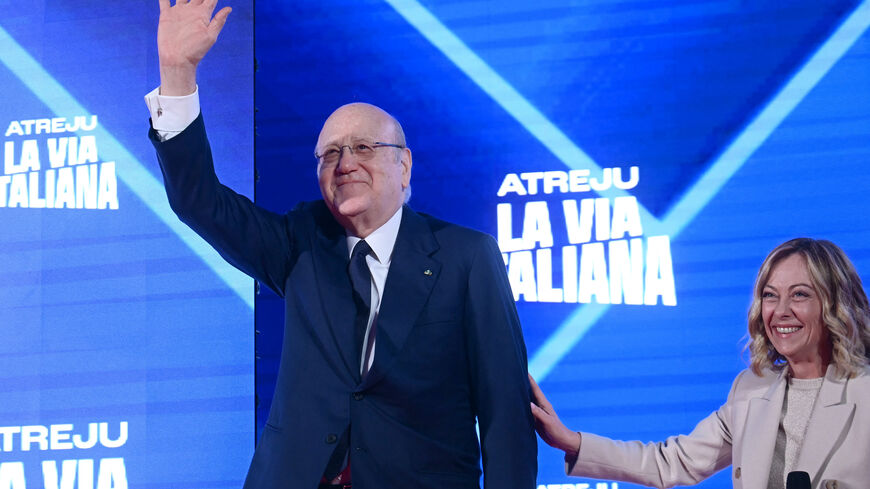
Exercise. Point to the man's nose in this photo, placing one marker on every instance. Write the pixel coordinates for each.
(346, 159)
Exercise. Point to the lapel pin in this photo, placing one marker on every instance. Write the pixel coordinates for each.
(427, 272)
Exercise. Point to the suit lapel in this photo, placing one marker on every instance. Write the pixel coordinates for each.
(828, 425)
(759, 436)
(334, 288)
(412, 276)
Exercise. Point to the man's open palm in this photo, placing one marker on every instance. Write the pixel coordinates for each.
(185, 33)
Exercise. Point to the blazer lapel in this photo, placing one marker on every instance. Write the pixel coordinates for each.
(335, 291)
(828, 426)
(411, 278)
(759, 435)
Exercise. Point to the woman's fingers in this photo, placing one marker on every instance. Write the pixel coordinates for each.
(538, 396)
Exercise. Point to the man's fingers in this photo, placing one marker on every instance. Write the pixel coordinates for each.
(210, 5)
(164, 4)
(217, 23)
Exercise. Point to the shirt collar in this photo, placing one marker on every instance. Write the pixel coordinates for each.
(381, 239)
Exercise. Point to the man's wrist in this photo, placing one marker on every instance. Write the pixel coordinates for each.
(177, 81)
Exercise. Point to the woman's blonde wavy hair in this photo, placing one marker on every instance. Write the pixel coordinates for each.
(845, 310)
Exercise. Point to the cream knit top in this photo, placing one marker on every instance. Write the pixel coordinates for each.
(797, 408)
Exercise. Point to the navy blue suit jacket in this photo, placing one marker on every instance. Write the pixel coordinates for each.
(449, 345)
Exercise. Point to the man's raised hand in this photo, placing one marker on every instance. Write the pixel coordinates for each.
(185, 33)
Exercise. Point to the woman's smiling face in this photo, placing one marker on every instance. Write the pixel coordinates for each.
(792, 312)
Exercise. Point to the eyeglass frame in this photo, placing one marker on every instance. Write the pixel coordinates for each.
(375, 145)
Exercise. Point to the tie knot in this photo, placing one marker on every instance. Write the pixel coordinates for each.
(361, 248)
(358, 269)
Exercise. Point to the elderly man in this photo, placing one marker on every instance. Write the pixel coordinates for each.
(400, 332)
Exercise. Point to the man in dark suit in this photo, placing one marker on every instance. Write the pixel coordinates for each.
(401, 331)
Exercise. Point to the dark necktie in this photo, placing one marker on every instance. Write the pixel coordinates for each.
(361, 279)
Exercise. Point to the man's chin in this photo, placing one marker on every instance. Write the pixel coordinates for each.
(348, 208)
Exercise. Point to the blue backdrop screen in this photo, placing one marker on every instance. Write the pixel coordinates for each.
(127, 350)
(636, 161)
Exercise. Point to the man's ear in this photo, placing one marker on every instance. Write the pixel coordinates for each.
(406, 162)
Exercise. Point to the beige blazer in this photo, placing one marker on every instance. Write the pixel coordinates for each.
(742, 433)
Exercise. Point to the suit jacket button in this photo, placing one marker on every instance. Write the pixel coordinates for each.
(737, 472)
(358, 396)
(331, 438)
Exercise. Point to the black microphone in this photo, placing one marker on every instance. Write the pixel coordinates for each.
(797, 480)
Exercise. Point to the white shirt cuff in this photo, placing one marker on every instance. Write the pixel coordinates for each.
(171, 115)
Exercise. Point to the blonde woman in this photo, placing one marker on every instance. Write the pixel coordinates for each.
(803, 405)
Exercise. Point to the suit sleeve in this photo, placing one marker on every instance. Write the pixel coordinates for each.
(499, 375)
(252, 239)
(680, 460)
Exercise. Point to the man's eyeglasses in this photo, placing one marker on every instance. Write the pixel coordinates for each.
(364, 150)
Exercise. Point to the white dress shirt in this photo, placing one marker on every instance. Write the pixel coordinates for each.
(382, 241)
(171, 115)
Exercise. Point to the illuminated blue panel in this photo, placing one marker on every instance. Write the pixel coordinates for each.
(721, 170)
(131, 172)
(119, 325)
